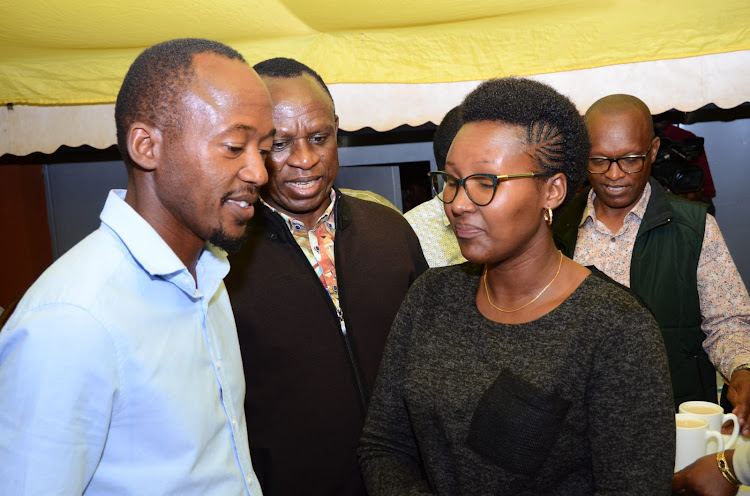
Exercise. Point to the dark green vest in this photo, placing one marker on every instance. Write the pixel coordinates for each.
(663, 272)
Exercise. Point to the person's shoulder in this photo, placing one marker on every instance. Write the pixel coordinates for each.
(599, 282)
(688, 213)
(369, 196)
(382, 227)
(80, 276)
(372, 212)
(687, 205)
(612, 313)
(612, 304)
(444, 283)
(450, 276)
(429, 209)
(63, 303)
(618, 297)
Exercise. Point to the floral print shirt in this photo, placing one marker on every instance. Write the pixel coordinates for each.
(724, 300)
(317, 245)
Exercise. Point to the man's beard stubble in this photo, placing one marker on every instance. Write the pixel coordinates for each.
(220, 239)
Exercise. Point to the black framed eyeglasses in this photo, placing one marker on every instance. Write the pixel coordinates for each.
(629, 164)
(480, 188)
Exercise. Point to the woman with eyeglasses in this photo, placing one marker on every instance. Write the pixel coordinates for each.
(520, 371)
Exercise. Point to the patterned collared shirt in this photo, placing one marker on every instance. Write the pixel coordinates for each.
(317, 245)
(724, 300)
(435, 234)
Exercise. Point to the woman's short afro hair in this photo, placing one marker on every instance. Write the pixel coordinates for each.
(553, 125)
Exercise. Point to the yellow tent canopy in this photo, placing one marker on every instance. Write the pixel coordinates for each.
(388, 62)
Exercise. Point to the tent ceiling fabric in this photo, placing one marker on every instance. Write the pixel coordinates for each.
(686, 84)
(60, 52)
(389, 62)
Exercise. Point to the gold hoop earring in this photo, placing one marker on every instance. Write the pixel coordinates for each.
(547, 215)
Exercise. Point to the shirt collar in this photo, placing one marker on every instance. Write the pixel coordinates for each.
(154, 254)
(440, 210)
(296, 225)
(638, 210)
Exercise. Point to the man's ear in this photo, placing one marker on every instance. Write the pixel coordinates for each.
(336, 122)
(144, 144)
(655, 148)
(557, 188)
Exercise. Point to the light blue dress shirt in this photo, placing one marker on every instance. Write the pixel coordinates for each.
(119, 376)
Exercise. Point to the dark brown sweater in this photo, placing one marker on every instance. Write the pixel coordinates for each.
(307, 385)
(577, 402)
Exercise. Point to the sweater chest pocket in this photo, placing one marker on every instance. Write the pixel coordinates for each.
(515, 424)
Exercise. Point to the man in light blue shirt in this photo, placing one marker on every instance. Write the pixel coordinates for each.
(120, 371)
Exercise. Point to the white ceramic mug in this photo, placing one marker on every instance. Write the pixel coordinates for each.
(716, 417)
(693, 435)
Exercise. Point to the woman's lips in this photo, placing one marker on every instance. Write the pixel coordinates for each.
(466, 231)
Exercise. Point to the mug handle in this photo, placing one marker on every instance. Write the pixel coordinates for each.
(735, 431)
(715, 435)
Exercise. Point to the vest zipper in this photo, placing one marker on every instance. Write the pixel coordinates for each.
(353, 363)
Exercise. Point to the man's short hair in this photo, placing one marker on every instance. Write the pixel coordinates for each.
(153, 86)
(444, 134)
(620, 103)
(284, 67)
(553, 125)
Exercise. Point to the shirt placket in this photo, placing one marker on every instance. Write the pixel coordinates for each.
(322, 244)
(226, 396)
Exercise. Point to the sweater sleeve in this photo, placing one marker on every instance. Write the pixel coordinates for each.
(388, 454)
(630, 410)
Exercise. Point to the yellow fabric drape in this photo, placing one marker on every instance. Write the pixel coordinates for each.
(65, 52)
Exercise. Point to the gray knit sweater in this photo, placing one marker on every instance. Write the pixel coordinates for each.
(576, 402)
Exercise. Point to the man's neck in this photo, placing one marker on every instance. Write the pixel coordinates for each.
(613, 218)
(308, 219)
(183, 242)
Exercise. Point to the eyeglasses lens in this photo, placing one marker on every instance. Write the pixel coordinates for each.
(439, 182)
(627, 164)
(631, 164)
(480, 189)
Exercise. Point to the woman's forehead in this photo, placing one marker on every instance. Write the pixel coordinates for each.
(489, 147)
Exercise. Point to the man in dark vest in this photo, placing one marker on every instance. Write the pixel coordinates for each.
(667, 250)
(315, 290)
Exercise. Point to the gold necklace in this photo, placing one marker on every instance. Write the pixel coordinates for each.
(487, 291)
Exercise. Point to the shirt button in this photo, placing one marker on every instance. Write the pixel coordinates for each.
(613, 239)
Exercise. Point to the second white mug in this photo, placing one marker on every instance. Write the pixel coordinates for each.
(716, 417)
(693, 436)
